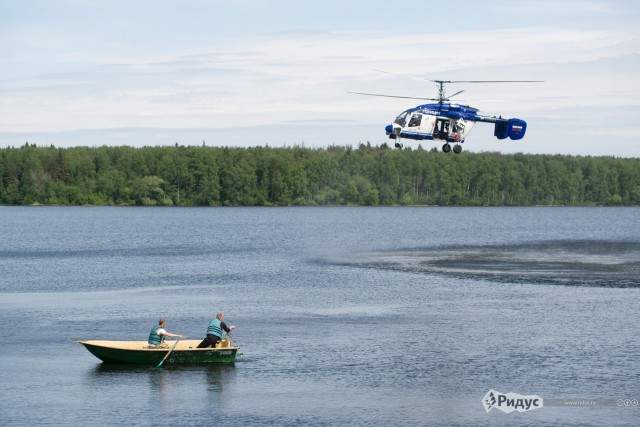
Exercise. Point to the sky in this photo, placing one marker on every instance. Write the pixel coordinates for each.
(277, 73)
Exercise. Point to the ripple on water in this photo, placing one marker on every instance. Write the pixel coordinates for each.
(582, 263)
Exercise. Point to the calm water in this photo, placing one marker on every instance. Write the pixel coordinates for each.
(346, 316)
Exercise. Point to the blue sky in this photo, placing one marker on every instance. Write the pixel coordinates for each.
(110, 72)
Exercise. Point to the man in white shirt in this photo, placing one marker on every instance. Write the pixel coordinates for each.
(158, 334)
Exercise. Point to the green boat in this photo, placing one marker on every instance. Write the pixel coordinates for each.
(140, 353)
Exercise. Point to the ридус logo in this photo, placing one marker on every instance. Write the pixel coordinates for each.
(509, 402)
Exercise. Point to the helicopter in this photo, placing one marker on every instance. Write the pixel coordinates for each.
(448, 122)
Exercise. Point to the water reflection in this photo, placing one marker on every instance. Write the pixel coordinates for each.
(586, 263)
(110, 370)
(166, 382)
(220, 375)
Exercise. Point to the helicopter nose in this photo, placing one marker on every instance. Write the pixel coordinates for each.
(389, 129)
(393, 131)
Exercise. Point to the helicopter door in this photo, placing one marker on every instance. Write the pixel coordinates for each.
(441, 129)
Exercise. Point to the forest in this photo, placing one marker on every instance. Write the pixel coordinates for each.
(299, 176)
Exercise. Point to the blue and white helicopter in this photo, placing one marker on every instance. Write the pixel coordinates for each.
(449, 122)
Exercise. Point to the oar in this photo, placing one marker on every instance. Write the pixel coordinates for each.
(228, 334)
(167, 355)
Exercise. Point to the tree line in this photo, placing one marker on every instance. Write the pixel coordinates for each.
(337, 175)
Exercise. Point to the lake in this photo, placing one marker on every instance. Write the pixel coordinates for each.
(345, 315)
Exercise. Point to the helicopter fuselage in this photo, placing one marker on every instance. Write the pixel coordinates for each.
(450, 123)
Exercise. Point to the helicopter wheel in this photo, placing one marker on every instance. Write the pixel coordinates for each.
(457, 148)
(446, 148)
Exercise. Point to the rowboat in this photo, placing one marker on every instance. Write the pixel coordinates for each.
(139, 352)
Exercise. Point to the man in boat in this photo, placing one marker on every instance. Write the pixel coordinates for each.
(214, 332)
(158, 334)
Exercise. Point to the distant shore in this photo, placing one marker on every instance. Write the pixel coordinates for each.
(297, 176)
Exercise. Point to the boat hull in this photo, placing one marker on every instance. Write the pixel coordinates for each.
(137, 352)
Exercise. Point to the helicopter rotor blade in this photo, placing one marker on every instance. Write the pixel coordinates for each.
(488, 81)
(408, 76)
(442, 98)
(393, 96)
(457, 93)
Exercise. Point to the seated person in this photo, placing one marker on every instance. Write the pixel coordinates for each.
(158, 334)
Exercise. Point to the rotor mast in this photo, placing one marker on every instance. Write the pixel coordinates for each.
(441, 97)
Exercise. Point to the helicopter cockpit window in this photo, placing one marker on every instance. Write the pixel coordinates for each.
(401, 119)
(415, 120)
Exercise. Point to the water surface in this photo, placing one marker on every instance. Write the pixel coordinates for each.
(366, 316)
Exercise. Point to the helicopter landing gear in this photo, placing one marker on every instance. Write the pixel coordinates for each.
(399, 145)
(456, 148)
